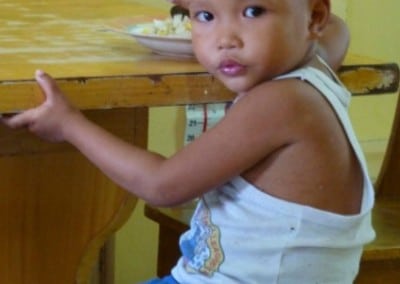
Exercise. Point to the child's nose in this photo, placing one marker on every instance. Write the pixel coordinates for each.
(229, 40)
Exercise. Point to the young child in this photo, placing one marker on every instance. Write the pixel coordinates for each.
(287, 198)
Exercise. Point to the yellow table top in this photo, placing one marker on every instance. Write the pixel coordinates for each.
(96, 69)
(67, 39)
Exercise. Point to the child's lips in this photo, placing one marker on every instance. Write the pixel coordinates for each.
(231, 68)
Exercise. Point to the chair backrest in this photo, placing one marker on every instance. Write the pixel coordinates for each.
(388, 182)
(376, 79)
(381, 258)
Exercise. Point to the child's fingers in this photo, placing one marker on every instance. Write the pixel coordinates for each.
(47, 84)
(28, 117)
(22, 119)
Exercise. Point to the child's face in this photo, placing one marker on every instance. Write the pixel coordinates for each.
(244, 42)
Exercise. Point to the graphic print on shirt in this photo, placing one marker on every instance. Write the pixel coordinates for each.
(201, 246)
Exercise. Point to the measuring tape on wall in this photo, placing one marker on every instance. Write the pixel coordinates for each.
(201, 117)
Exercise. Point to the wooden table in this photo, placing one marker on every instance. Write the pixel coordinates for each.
(56, 209)
(97, 69)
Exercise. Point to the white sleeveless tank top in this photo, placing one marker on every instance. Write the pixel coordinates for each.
(239, 234)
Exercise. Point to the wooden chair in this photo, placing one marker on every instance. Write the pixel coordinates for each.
(381, 259)
(56, 209)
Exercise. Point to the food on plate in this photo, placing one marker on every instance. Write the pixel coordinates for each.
(176, 26)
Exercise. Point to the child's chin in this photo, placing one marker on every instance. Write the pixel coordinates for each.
(237, 87)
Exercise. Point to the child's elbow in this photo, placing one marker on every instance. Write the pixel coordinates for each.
(159, 193)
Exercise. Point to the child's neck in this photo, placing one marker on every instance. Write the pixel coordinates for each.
(309, 56)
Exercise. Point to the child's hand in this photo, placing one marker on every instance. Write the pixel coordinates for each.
(48, 120)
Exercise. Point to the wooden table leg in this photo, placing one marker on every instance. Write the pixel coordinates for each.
(56, 209)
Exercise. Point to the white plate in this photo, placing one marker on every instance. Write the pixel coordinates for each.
(172, 45)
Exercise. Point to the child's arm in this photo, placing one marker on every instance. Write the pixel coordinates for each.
(334, 42)
(56, 120)
(196, 169)
(218, 155)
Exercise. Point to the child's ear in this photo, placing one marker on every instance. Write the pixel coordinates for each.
(319, 17)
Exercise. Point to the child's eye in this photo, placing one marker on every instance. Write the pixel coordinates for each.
(253, 12)
(204, 16)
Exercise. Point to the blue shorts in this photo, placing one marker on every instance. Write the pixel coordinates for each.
(165, 280)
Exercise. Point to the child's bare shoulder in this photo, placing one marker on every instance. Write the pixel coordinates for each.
(284, 103)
